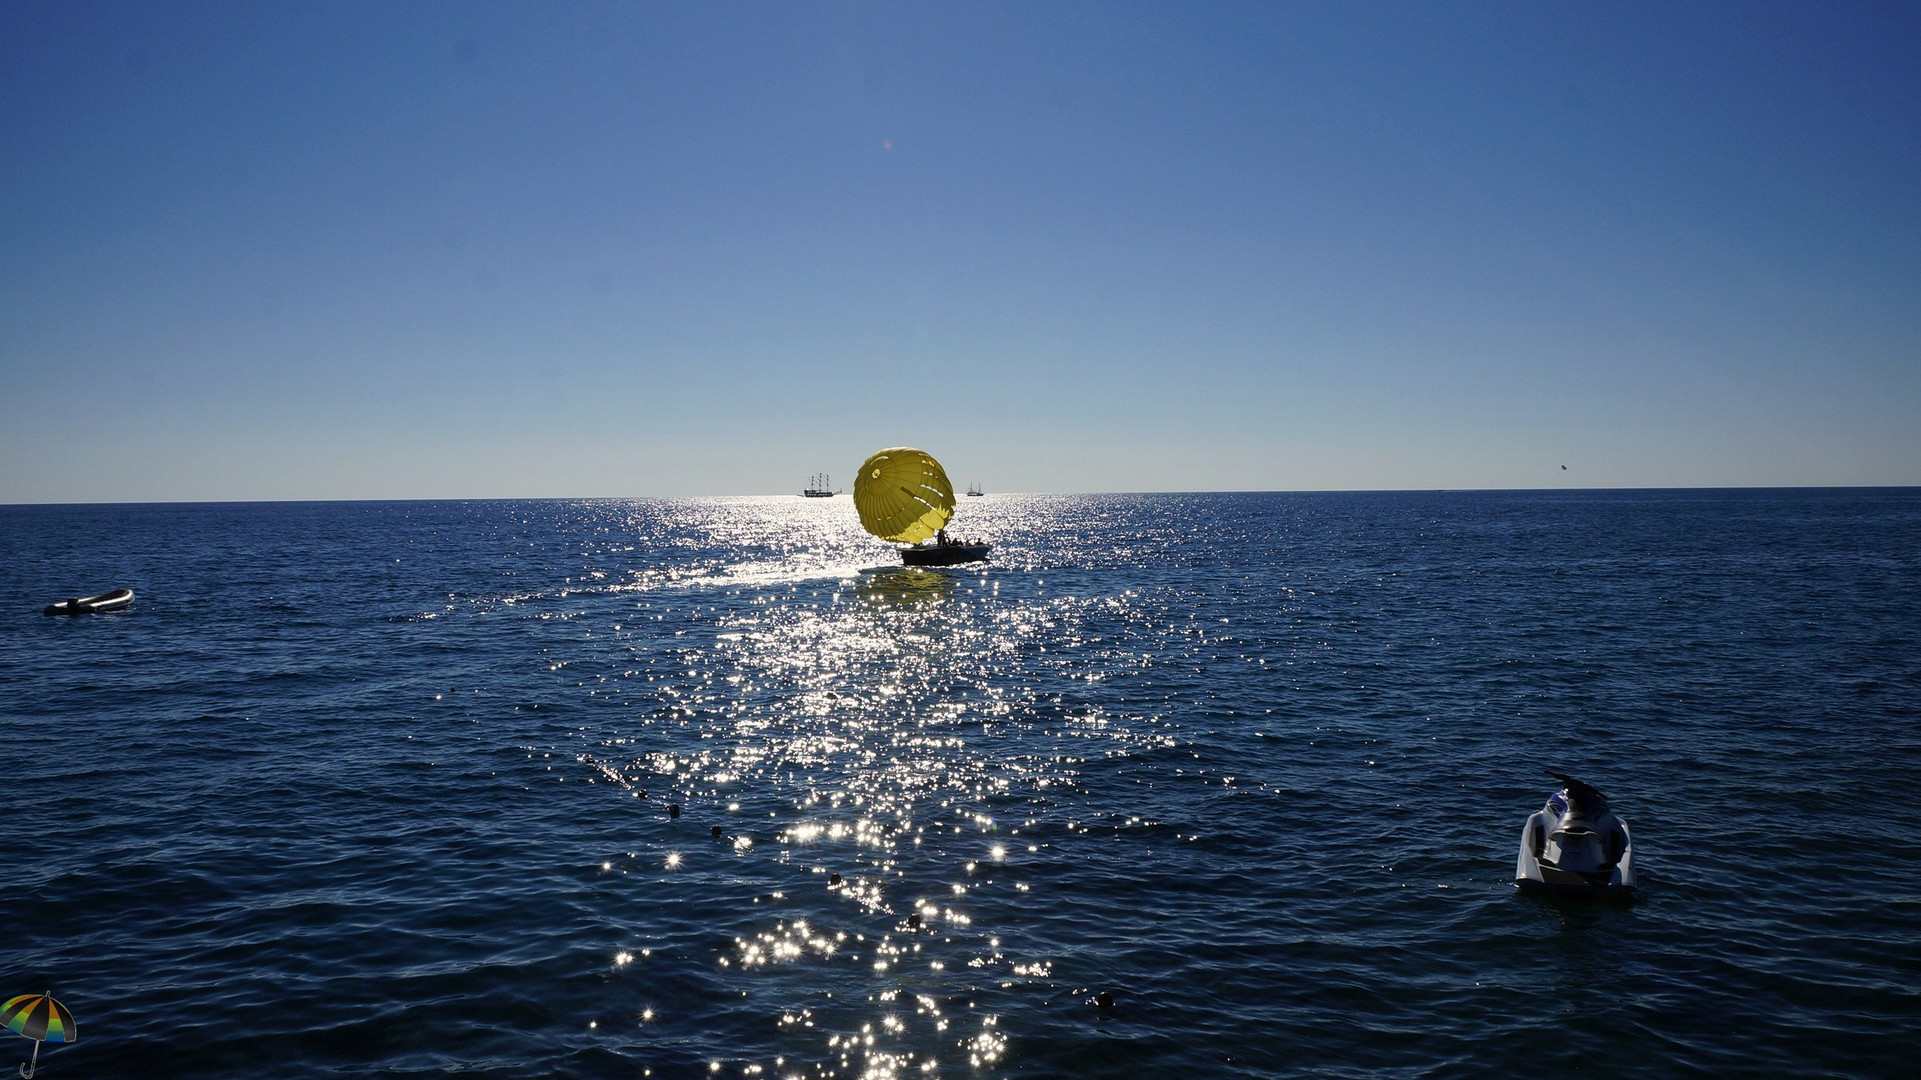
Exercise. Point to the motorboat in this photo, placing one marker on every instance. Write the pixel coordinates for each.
(1576, 846)
(111, 600)
(944, 552)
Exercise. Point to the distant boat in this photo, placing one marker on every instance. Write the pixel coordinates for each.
(111, 600)
(903, 494)
(819, 487)
(975, 490)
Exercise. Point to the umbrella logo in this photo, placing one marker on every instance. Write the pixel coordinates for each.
(40, 1018)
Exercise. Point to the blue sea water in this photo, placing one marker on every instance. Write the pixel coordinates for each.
(385, 788)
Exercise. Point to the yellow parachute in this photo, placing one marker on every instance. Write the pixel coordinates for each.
(903, 494)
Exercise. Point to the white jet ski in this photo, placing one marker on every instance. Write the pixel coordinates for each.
(1576, 846)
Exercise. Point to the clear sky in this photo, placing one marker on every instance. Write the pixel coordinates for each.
(413, 250)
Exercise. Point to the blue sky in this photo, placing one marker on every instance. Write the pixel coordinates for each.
(284, 251)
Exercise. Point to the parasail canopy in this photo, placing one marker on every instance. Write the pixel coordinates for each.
(903, 494)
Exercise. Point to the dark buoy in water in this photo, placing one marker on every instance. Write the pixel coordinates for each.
(833, 879)
(1104, 1000)
(914, 920)
(716, 832)
(673, 809)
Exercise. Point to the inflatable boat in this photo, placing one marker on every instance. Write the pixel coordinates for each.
(111, 600)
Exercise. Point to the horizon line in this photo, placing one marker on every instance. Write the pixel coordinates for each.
(796, 495)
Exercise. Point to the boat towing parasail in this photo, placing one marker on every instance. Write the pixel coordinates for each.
(902, 494)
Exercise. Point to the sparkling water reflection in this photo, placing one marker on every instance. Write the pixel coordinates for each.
(866, 728)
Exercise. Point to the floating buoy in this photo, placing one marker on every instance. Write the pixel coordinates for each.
(673, 809)
(1104, 1000)
(833, 879)
(716, 832)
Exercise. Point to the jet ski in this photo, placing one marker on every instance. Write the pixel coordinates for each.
(1576, 846)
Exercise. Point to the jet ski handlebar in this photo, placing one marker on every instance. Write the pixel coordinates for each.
(1583, 799)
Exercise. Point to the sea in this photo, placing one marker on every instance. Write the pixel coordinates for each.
(1206, 785)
